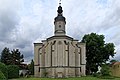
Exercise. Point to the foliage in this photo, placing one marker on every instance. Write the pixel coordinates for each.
(109, 50)
(17, 58)
(97, 52)
(6, 56)
(11, 58)
(97, 74)
(31, 67)
(2, 77)
(3, 69)
(104, 73)
(105, 70)
(113, 61)
(13, 71)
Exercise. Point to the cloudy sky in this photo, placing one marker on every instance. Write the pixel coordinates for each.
(23, 22)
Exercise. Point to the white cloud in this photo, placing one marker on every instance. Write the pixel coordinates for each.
(23, 22)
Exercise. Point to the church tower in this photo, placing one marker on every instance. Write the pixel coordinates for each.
(60, 55)
(59, 22)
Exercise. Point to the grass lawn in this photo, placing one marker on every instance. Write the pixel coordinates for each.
(80, 78)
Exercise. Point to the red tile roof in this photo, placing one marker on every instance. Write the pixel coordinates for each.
(116, 63)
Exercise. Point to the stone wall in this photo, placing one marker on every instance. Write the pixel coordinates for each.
(59, 58)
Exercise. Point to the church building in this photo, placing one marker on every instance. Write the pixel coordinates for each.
(59, 56)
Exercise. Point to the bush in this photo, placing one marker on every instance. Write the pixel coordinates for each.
(2, 77)
(3, 69)
(96, 75)
(13, 71)
(105, 70)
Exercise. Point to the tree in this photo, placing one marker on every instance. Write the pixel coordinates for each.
(97, 52)
(31, 67)
(17, 57)
(6, 56)
(11, 58)
(113, 61)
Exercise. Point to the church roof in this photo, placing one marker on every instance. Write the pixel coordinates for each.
(59, 18)
(60, 37)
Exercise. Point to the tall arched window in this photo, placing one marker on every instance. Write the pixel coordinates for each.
(60, 53)
(39, 56)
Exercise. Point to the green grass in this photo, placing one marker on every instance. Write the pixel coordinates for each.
(80, 78)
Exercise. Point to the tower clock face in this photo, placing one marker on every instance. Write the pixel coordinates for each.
(59, 26)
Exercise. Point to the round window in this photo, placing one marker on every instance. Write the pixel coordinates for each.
(59, 26)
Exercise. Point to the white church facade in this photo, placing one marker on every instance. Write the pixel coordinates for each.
(59, 55)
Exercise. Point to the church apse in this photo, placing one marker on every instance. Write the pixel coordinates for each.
(59, 55)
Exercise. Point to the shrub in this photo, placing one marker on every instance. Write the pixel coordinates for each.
(2, 77)
(13, 71)
(3, 69)
(96, 74)
(105, 70)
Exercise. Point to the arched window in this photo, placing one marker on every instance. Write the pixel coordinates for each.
(60, 53)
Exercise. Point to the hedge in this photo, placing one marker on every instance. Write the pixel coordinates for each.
(13, 71)
(3, 69)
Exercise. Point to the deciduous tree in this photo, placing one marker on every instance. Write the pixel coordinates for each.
(97, 51)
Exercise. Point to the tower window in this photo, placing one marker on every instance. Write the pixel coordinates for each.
(59, 26)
